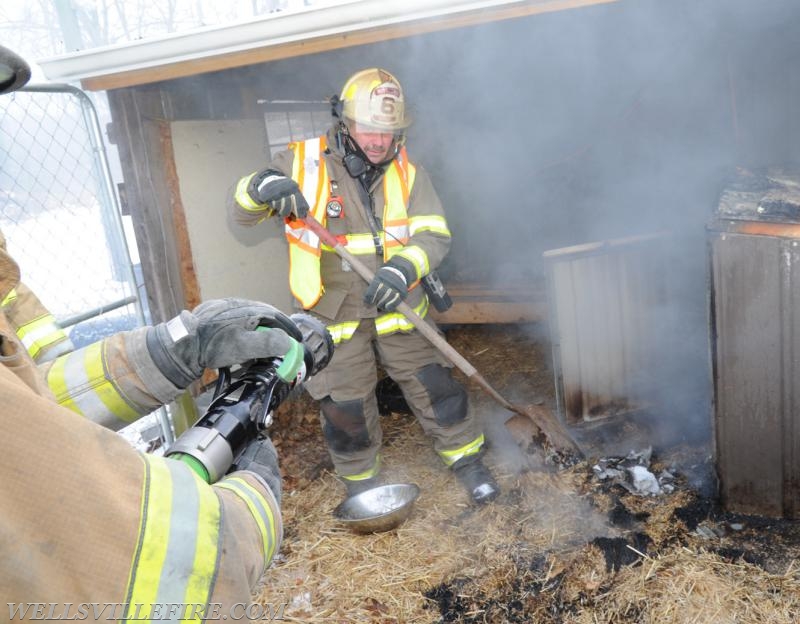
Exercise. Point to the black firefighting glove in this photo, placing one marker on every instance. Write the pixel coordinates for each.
(221, 333)
(389, 287)
(281, 194)
(261, 457)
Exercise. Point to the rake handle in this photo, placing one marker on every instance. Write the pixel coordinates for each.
(553, 430)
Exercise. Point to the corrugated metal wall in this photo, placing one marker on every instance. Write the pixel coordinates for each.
(606, 300)
(756, 358)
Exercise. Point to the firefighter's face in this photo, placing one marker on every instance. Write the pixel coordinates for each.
(375, 143)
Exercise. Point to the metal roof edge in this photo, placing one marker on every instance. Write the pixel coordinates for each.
(271, 31)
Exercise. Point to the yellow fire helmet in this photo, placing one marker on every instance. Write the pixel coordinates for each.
(374, 98)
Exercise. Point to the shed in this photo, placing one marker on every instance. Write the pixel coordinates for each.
(545, 124)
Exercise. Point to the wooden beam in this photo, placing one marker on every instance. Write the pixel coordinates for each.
(136, 133)
(191, 289)
(315, 45)
(477, 303)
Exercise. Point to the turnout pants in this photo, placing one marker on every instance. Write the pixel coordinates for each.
(349, 408)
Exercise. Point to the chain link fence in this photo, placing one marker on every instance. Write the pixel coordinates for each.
(60, 216)
(59, 213)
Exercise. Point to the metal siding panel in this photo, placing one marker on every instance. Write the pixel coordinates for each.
(791, 432)
(749, 371)
(602, 299)
(566, 333)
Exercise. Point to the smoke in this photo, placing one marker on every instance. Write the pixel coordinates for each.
(583, 125)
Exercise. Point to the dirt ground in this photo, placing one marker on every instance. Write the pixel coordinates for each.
(559, 545)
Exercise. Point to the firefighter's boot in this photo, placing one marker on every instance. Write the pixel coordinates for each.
(362, 485)
(477, 480)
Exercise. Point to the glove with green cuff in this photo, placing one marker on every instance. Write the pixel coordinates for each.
(221, 333)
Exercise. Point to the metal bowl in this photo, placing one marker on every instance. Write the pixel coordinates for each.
(379, 509)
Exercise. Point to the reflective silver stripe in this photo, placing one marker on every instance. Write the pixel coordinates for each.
(243, 197)
(434, 223)
(342, 331)
(182, 543)
(396, 233)
(79, 387)
(55, 351)
(178, 548)
(304, 235)
(311, 169)
(395, 321)
(39, 330)
(417, 257)
(264, 517)
(470, 448)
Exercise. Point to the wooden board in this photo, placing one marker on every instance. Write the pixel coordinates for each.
(478, 303)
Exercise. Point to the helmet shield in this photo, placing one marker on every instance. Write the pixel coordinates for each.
(14, 71)
(373, 98)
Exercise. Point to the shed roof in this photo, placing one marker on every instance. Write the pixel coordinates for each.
(282, 35)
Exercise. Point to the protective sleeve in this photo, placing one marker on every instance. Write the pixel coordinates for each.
(112, 382)
(430, 236)
(241, 206)
(110, 525)
(36, 328)
(255, 530)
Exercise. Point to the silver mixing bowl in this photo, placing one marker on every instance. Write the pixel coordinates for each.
(379, 509)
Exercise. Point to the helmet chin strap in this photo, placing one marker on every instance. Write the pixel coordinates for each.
(355, 160)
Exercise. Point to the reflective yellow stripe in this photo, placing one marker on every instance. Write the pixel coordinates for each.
(308, 154)
(11, 297)
(342, 331)
(311, 175)
(40, 333)
(261, 511)
(357, 244)
(243, 198)
(395, 321)
(433, 223)
(397, 182)
(57, 382)
(367, 474)
(298, 162)
(471, 448)
(177, 552)
(104, 388)
(416, 256)
(79, 382)
(151, 550)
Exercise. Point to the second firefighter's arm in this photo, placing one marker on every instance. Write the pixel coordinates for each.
(112, 382)
(96, 521)
(36, 328)
(116, 380)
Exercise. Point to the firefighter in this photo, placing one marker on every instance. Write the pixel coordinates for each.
(358, 181)
(36, 328)
(87, 520)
